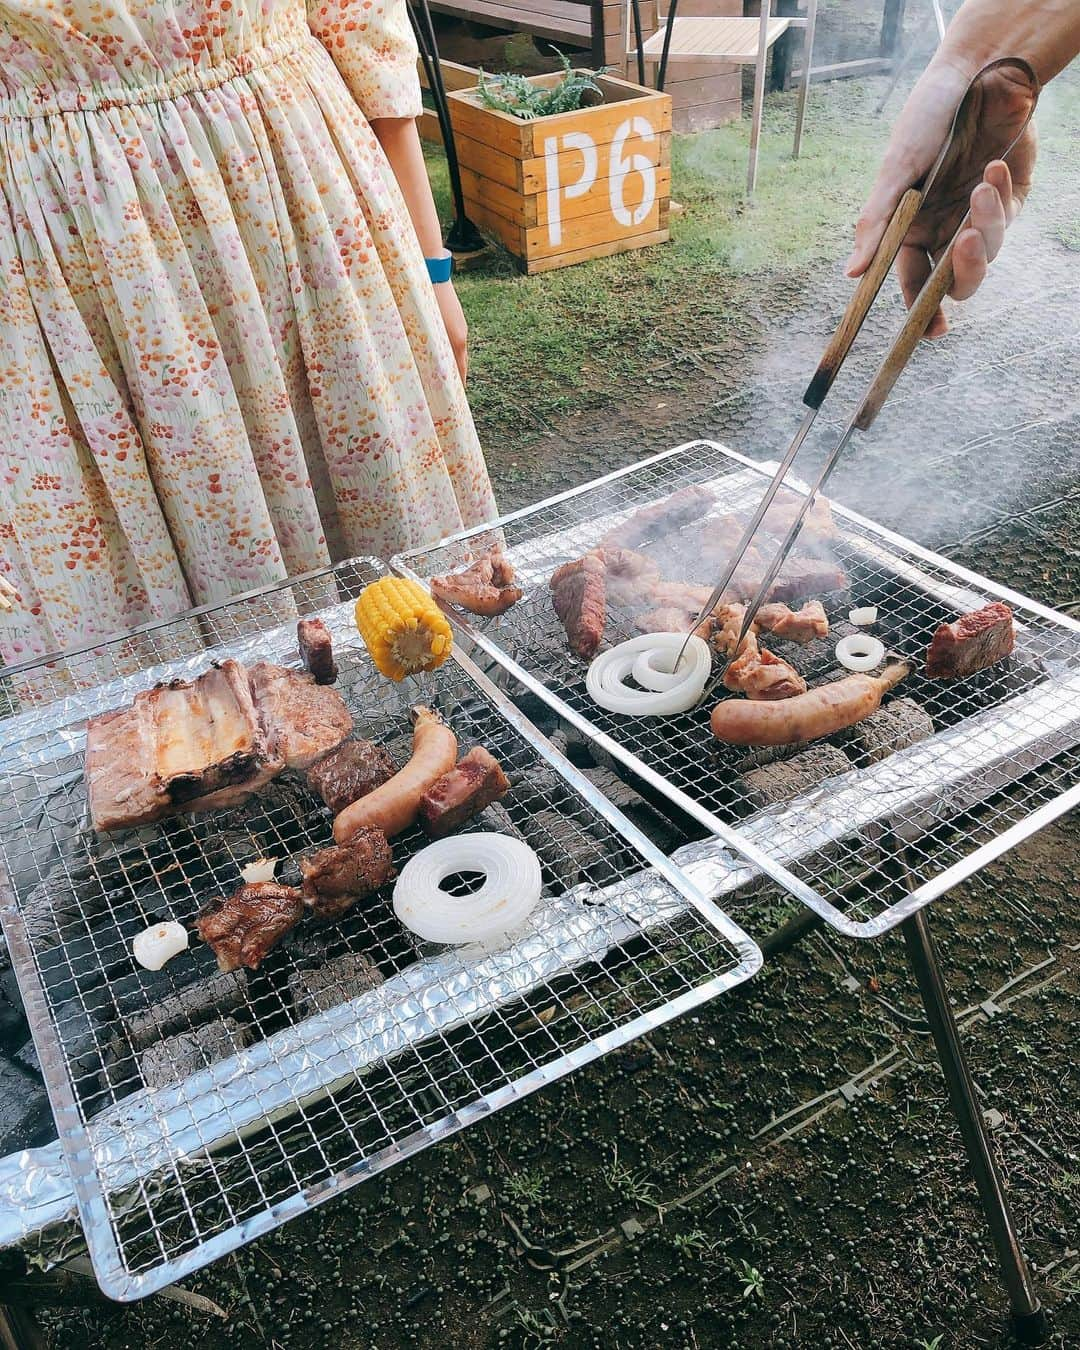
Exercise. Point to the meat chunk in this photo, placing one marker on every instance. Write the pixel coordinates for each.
(486, 587)
(473, 783)
(759, 674)
(303, 720)
(205, 731)
(241, 928)
(818, 527)
(802, 626)
(681, 508)
(971, 643)
(123, 788)
(190, 744)
(579, 594)
(804, 576)
(628, 575)
(316, 650)
(350, 772)
(672, 619)
(337, 877)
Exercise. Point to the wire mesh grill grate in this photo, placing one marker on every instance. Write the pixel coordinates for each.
(198, 1109)
(1002, 758)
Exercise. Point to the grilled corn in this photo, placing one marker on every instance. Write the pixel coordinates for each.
(402, 627)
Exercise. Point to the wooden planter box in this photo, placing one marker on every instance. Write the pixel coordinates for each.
(578, 185)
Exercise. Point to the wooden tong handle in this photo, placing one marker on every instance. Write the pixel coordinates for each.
(863, 297)
(935, 289)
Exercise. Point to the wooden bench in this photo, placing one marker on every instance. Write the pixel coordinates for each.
(578, 23)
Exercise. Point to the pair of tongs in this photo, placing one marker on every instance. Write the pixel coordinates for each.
(922, 311)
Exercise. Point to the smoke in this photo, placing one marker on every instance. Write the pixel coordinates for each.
(983, 424)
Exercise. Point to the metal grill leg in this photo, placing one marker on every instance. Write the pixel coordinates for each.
(1028, 1318)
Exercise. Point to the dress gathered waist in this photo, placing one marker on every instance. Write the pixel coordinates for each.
(56, 101)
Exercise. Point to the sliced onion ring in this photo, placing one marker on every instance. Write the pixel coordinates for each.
(511, 889)
(864, 617)
(649, 659)
(860, 652)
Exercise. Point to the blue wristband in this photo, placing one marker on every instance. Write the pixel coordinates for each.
(440, 269)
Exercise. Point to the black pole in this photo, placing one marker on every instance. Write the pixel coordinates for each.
(661, 75)
(462, 236)
(636, 8)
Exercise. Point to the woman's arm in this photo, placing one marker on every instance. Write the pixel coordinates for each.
(400, 141)
(1045, 33)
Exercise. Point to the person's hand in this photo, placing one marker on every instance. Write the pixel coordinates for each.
(457, 329)
(973, 179)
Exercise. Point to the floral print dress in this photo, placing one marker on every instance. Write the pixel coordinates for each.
(221, 359)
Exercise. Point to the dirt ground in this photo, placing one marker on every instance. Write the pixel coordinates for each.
(779, 1169)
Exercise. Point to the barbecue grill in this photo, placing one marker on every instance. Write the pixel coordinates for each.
(354, 1045)
(1003, 760)
(866, 849)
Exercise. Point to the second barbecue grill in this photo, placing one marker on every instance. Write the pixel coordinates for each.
(1002, 761)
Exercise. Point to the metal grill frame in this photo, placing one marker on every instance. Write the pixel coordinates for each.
(99, 1199)
(711, 863)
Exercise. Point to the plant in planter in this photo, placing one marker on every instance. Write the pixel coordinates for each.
(566, 166)
(518, 96)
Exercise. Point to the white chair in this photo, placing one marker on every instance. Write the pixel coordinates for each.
(728, 41)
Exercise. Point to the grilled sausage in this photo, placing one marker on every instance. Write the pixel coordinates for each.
(395, 806)
(806, 717)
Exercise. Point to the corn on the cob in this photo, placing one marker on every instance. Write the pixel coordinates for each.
(402, 627)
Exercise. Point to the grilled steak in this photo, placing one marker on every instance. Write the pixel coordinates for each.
(475, 782)
(191, 744)
(579, 593)
(336, 877)
(486, 587)
(818, 527)
(971, 643)
(303, 720)
(241, 928)
(316, 650)
(350, 772)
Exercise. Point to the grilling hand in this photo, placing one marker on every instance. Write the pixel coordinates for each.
(993, 191)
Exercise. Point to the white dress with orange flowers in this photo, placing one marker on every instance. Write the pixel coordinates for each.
(221, 360)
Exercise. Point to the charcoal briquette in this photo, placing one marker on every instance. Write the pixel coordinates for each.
(320, 988)
(183, 1009)
(773, 783)
(177, 1057)
(27, 1056)
(900, 724)
(24, 1110)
